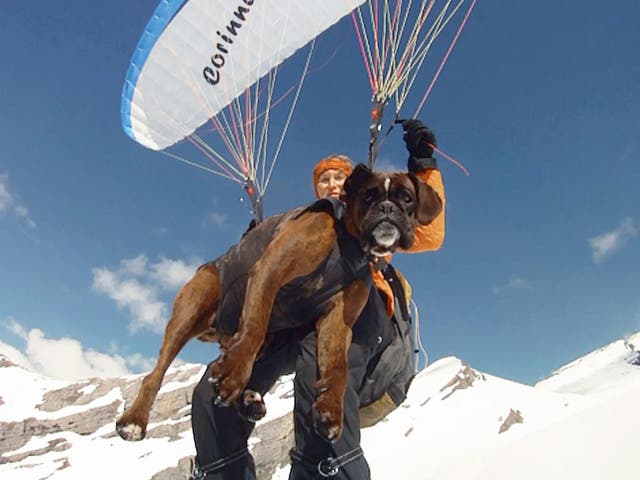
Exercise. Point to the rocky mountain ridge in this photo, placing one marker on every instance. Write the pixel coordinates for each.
(50, 428)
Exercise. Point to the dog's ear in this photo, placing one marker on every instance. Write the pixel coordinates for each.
(429, 202)
(360, 175)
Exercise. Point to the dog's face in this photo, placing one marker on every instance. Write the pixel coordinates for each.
(384, 209)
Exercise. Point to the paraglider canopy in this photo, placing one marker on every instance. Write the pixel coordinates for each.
(196, 56)
(199, 57)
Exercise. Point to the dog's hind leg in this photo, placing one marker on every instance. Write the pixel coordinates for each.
(193, 308)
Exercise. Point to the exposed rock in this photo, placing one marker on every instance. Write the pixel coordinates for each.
(170, 431)
(16, 434)
(55, 445)
(5, 362)
(55, 400)
(633, 358)
(170, 418)
(274, 440)
(64, 463)
(186, 375)
(172, 405)
(514, 417)
(273, 449)
(181, 472)
(463, 379)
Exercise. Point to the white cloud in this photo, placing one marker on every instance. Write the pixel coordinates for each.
(135, 266)
(137, 286)
(605, 245)
(140, 363)
(14, 327)
(66, 359)
(136, 361)
(15, 356)
(172, 274)
(5, 197)
(216, 216)
(217, 219)
(513, 283)
(10, 204)
(141, 300)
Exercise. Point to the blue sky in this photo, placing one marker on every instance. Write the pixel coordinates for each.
(539, 100)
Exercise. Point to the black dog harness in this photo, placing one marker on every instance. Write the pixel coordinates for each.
(303, 299)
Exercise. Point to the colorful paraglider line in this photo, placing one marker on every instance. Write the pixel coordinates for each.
(445, 58)
(393, 57)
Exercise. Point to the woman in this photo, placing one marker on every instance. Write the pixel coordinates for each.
(390, 373)
(221, 433)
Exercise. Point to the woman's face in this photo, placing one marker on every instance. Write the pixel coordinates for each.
(330, 183)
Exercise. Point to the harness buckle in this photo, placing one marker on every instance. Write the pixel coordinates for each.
(197, 473)
(328, 467)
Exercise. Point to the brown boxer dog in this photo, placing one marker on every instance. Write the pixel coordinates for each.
(382, 211)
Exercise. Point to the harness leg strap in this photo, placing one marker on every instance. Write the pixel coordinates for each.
(201, 472)
(330, 466)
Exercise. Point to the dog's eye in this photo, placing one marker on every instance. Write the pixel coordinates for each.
(370, 196)
(404, 196)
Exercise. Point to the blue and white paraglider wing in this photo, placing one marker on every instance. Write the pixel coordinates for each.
(196, 56)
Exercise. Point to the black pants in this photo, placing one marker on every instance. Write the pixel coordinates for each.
(221, 433)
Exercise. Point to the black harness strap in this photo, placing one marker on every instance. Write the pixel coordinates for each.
(346, 262)
(330, 466)
(200, 473)
(398, 291)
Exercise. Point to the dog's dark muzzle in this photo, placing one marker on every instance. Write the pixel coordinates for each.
(385, 232)
(388, 208)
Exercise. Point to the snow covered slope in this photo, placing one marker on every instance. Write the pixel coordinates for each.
(457, 424)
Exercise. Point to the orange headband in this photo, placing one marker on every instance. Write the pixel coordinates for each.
(337, 162)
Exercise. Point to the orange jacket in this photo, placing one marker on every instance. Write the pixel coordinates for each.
(426, 238)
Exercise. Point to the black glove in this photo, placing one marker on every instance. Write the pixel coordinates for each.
(419, 139)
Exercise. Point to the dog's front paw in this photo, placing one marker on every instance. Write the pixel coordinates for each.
(327, 419)
(228, 379)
